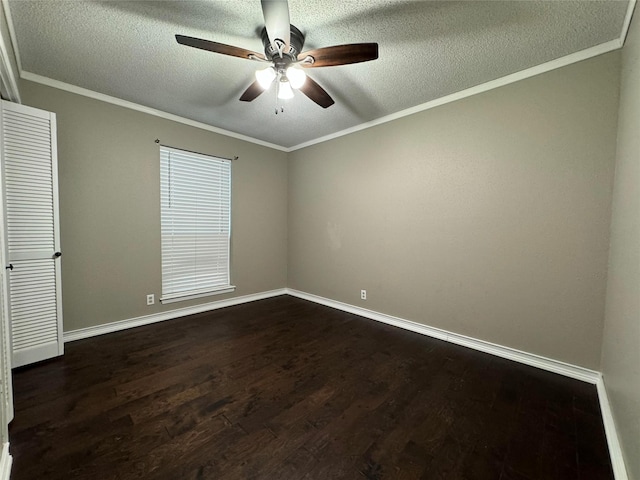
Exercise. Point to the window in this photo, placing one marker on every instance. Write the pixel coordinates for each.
(195, 197)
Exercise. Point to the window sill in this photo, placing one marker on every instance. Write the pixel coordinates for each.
(180, 297)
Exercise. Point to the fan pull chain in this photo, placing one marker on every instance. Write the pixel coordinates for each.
(277, 92)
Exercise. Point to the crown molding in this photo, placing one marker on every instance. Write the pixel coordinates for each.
(484, 87)
(67, 87)
(500, 82)
(8, 75)
(12, 34)
(627, 22)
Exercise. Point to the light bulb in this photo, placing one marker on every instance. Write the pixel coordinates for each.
(284, 92)
(296, 76)
(265, 77)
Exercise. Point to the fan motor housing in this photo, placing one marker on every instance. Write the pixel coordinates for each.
(296, 42)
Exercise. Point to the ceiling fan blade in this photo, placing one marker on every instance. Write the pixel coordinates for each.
(340, 55)
(218, 48)
(276, 21)
(252, 92)
(316, 93)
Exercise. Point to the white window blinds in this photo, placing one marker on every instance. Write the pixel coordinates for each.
(195, 195)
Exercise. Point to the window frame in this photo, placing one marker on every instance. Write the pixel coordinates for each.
(182, 157)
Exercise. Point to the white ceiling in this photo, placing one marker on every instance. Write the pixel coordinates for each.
(428, 49)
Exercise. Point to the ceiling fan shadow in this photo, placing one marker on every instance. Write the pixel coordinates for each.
(186, 16)
(412, 21)
(352, 96)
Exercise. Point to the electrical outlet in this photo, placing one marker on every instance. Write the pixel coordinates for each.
(151, 299)
(363, 294)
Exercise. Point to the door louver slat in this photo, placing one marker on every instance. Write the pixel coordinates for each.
(30, 195)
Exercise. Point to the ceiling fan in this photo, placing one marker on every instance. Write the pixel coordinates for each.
(283, 52)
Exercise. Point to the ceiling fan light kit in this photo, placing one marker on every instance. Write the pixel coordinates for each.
(296, 76)
(285, 92)
(266, 76)
(283, 51)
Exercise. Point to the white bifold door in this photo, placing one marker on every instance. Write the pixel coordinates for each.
(31, 233)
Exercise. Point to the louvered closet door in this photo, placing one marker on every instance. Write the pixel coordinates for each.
(29, 168)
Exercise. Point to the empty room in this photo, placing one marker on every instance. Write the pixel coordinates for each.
(320, 240)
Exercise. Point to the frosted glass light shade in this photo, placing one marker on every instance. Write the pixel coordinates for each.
(296, 76)
(265, 77)
(284, 90)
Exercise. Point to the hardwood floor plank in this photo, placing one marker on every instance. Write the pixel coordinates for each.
(287, 389)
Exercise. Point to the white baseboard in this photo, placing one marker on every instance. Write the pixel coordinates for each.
(615, 451)
(556, 366)
(551, 365)
(5, 462)
(81, 333)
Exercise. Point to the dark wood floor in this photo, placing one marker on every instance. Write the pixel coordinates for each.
(286, 389)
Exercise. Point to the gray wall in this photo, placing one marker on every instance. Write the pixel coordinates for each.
(621, 345)
(110, 207)
(487, 217)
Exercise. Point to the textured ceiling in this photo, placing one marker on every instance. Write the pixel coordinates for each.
(127, 49)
